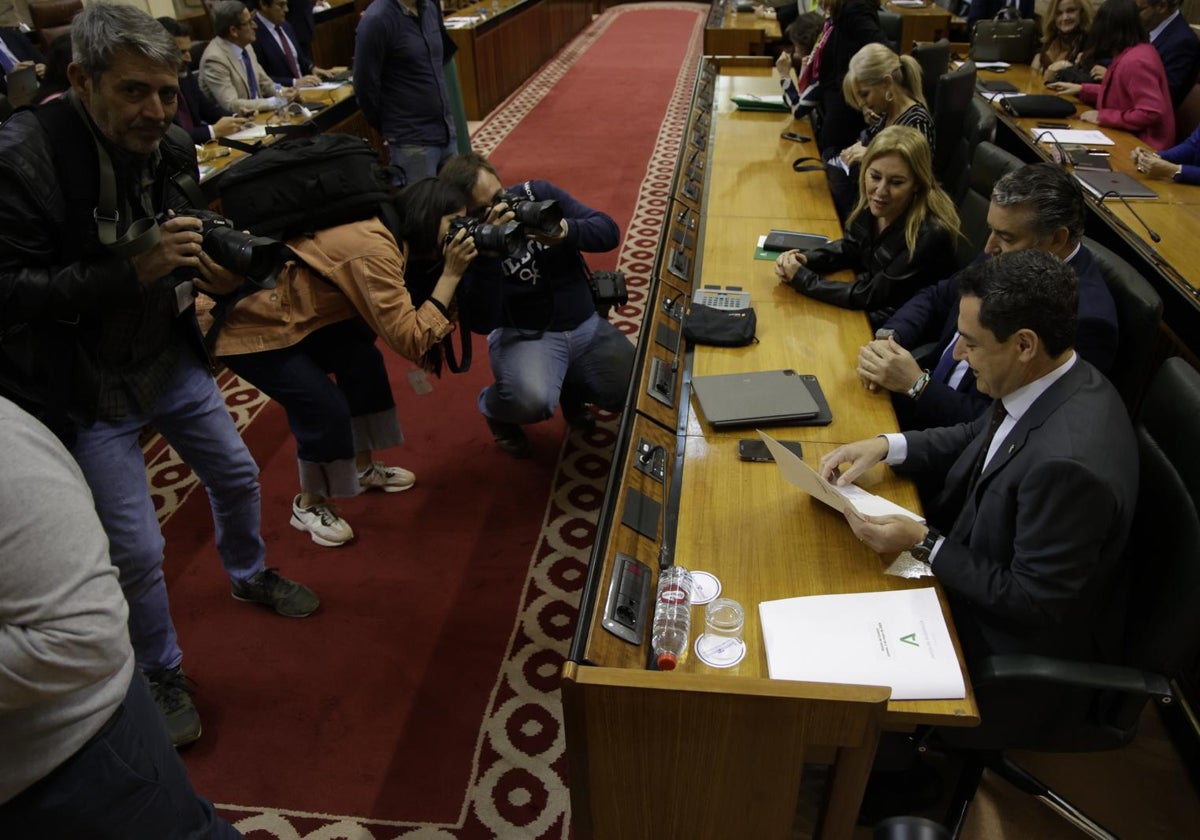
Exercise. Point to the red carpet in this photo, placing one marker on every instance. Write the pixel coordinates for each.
(421, 701)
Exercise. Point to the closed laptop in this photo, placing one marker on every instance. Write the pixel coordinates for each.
(762, 398)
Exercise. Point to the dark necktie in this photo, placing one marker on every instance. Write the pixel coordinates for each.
(287, 51)
(184, 112)
(251, 79)
(946, 364)
(997, 417)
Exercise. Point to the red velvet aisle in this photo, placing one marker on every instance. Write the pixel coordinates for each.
(422, 699)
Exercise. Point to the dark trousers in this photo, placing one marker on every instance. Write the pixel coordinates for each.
(127, 783)
(319, 411)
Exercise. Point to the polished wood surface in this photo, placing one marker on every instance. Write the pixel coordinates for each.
(737, 774)
(730, 32)
(925, 24)
(333, 35)
(499, 51)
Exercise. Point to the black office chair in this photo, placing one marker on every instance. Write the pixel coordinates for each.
(1159, 598)
(6, 108)
(988, 165)
(891, 24)
(951, 102)
(197, 51)
(979, 125)
(1139, 310)
(934, 59)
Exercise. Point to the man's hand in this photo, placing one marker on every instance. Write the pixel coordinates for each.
(861, 456)
(889, 534)
(499, 213)
(291, 94)
(788, 263)
(324, 72)
(230, 125)
(214, 280)
(549, 238)
(886, 364)
(307, 81)
(178, 246)
(458, 252)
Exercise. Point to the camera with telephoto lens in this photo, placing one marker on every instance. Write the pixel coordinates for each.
(491, 240)
(539, 216)
(257, 258)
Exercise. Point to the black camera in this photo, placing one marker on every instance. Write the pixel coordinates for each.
(539, 216)
(257, 258)
(490, 240)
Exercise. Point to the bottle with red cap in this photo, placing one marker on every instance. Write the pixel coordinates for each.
(672, 616)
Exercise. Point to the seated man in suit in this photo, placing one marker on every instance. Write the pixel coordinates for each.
(1175, 41)
(197, 114)
(279, 50)
(988, 9)
(1038, 206)
(230, 72)
(1038, 492)
(16, 53)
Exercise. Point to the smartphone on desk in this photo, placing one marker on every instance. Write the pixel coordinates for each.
(1053, 125)
(794, 137)
(755, 449)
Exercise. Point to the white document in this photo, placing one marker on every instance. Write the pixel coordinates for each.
(908, 4)
(1078, 136)
(841, 499)
(325, 86)
(898, 639)
(254, 132)
(986, 65)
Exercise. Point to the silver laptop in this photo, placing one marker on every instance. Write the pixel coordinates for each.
(1116, 183)
(762, 398)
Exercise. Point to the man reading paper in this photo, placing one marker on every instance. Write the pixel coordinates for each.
(1038, 492)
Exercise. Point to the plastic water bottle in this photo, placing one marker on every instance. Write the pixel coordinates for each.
(672, 616)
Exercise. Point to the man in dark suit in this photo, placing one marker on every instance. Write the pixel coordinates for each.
(1175, 41)
(279, 50)
(1038, 492)
(1037, 206)
(197, 113)
(300, 16)
(16, 52)
(988, 9)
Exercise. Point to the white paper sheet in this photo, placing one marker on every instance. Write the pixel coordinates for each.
(1078, 136)
(898, 639)
(796, 472)
(254, 132)
(325, 86)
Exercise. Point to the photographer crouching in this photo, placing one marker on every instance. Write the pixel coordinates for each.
(546, 343)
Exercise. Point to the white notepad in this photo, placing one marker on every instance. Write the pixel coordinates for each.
(1078, 136)
(897, 639)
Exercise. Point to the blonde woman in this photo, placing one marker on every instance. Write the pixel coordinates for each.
(887, 88)
(900, 237)
(1067, 23)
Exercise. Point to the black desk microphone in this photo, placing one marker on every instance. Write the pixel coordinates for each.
(1154, 237)
(1063, 158)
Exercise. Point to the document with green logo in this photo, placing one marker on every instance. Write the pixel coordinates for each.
(897, 638)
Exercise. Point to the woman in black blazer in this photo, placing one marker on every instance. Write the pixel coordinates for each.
(855, 24)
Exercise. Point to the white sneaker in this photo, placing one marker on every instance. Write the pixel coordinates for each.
(322, 523)
(387, 479)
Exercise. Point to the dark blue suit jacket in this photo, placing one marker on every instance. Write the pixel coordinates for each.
(988, 9)
(271, 57)
(20, 46)
(300, 16)
(203, 108)
(932, 316)
(1179, 50)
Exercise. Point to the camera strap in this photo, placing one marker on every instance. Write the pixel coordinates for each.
(143, 234)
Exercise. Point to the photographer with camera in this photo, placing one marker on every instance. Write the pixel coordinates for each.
(98, 333)
(546, 342)
(323, 316)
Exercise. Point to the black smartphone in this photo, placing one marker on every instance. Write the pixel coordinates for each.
(1053, 125)
(755, 449)
(798, 138)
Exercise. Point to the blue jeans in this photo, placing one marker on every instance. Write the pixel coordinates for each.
(417, 162)
(329, 421)
(591, 363)
(191, 415)
(127, 783)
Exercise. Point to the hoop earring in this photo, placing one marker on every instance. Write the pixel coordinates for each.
(889, 96)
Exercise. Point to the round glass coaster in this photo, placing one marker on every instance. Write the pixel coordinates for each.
(720, 651)
(705, 587)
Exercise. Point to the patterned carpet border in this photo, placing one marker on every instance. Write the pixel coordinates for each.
(519, 764)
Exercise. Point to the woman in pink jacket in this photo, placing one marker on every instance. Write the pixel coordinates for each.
(1133, 95)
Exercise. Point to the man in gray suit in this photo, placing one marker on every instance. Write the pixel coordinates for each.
(1039, 491)
(229, 70)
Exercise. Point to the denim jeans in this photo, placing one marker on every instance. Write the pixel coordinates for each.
(417, 162)
(127, 783)
(191, 415)
(329, 421)
(591, 363)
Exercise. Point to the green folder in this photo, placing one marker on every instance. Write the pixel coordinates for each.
(752, 102)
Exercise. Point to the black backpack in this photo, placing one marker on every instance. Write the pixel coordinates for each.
(305, 184)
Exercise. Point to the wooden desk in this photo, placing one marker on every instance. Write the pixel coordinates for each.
(730, 32)
(501, 44)
(1170, 264)
(333, 35)
(925, 24)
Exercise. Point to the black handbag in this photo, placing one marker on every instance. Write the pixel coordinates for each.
(1038, 105)
(1013, 41)
(720, 327)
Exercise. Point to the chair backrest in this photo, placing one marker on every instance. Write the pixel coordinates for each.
(1139, 310)
(891, 23)
(668, 754)
(934, 59)
(951, 102)
(197, 51)
(52, 18)
(1187, 115)
(988, 164)
(1163, 552)
(978, 125)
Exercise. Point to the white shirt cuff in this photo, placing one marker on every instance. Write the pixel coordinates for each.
(897, 449)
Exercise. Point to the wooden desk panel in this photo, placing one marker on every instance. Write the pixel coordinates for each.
(730, 32)
(926, 24)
